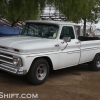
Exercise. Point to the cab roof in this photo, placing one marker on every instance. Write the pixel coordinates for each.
(51, 22)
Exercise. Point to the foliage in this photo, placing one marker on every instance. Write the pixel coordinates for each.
(21, 10)
(1, 8)
(75, 10)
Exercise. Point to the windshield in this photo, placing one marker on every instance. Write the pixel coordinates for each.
(41, 30)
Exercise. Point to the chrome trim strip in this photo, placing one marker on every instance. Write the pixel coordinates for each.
(17, 71)
(6, 56)
(6, 62)
(6, 68)
(89, 49)
(71, 52)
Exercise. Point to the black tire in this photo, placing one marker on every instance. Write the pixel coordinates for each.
(95, 64)
(38, 72)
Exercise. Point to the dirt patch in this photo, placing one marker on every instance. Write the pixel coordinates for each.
(75, 83)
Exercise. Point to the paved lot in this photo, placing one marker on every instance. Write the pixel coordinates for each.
(75, 83)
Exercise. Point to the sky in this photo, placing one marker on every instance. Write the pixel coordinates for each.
(98, 25)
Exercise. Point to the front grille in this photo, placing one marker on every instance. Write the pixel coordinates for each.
(2, 47)
(6, 58)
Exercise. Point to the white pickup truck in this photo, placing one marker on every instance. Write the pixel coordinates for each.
(45, 45)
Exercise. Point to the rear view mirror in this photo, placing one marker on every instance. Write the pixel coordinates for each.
(67, 39)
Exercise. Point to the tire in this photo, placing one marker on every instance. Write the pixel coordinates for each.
(38, 72)
(95, 64)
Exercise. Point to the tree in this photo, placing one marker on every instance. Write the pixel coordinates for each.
(21, 10)
(75, 10)
(89, 12)
(1, 8)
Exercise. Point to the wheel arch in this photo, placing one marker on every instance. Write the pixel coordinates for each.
(47, 59)
(96, 55)
(93, 64)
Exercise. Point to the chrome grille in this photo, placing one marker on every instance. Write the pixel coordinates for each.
(6, 58)
(3, 47)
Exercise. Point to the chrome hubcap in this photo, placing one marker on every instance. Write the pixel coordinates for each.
(41, 72)
(98, 62)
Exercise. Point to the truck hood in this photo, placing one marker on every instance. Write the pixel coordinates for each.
(27, 44)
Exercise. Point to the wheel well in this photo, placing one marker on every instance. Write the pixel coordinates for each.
(47, 59)
(96, 55)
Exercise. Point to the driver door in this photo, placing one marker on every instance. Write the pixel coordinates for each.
(70, 51)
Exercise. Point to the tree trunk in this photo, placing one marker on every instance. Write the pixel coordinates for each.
(84, 28)
(13, 24)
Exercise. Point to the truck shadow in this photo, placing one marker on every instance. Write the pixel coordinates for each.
(76, 70)
(16, 80)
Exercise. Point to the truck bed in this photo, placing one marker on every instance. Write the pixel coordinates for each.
(84, 38)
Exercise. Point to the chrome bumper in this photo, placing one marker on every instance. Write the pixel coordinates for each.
(13, 70)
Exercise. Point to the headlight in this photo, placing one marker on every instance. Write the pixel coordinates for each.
(17, 62)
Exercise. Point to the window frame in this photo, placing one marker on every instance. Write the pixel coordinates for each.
(72, 30)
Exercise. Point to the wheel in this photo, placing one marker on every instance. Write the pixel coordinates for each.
(95, 64)
(38, 72)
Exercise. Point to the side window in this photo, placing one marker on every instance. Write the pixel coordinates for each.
(67, 31)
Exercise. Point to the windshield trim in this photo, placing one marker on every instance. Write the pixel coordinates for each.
(55, 26)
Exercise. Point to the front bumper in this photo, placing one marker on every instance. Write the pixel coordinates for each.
(13, 70)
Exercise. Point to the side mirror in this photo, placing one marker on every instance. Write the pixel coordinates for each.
(67, 39)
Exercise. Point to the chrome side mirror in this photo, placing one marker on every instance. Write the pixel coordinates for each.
(67, 39)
